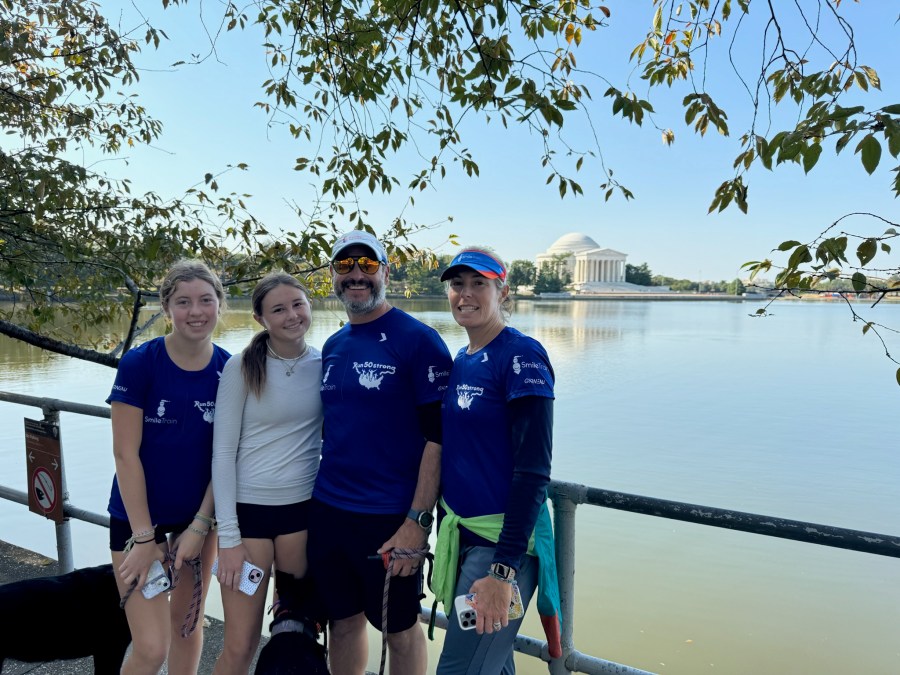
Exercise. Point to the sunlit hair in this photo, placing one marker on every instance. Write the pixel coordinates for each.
(253, 361)
(506, 304)
(189, 270)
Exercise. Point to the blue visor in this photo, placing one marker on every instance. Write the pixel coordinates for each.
(486, 265)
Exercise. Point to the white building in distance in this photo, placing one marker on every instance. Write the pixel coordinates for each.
(590, 267)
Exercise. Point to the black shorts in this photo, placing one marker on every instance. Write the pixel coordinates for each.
(349, 573)
(258, 521)
(120, 532)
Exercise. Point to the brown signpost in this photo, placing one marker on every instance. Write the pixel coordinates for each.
(44, 463)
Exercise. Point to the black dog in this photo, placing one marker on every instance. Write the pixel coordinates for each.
(70, 616)
(293, 648)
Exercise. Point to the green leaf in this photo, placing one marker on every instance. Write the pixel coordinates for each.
(788, 245)
(866, 251)
(800, 255)
(811, 156)
(870, 149)
(892, 109)
(859, 281)
(898, 375)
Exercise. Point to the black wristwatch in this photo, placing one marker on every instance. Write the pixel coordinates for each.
(424, 518)
(502, 572)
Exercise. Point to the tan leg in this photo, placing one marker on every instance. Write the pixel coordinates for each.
(149, 624)
(184, 653)
(408, 652)
(348, 649)
(244, 614)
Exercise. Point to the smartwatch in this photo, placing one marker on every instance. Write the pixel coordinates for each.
(502, 572)
(424, 518)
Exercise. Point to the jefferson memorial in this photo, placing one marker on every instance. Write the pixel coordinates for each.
(590, 267)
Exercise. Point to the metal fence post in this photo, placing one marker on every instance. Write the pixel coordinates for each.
(564, 534)
(64, 555)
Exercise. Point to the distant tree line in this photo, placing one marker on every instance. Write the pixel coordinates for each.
(422, 277)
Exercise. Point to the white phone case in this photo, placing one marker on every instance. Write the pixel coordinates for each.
(465, 612)
(251, 576)
(157, 581)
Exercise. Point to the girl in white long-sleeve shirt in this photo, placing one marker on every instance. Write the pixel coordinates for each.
(266, 446)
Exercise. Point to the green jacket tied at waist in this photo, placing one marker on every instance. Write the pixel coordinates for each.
(540, 545)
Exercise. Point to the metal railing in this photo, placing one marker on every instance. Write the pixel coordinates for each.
(565, 498)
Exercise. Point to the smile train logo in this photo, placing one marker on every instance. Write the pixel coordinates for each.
(325, 386)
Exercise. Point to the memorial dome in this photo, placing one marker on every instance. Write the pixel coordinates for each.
(574, 242)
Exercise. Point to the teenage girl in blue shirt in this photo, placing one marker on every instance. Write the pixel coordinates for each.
(162, 409)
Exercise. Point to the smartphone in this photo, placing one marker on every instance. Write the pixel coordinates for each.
(157, 581)
(251, 576)
(465, 608)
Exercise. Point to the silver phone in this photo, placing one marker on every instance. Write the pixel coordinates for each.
(157, 581)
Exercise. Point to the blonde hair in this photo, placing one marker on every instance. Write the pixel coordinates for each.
(253, 360)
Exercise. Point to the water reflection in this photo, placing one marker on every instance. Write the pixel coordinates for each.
(690, 401)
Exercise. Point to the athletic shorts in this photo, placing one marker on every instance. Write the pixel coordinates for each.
(349, 574)
(120, 533)
(258, 521)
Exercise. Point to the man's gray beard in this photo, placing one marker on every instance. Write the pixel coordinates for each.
(358, 307)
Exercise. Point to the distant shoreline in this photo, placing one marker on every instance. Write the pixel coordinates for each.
(673, 297)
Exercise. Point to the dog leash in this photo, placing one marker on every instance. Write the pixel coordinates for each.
(388, 557)
(193, 613)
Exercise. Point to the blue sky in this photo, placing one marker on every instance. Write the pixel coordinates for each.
(210, 122)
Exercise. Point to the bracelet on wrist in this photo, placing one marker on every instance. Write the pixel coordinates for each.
(150, 531)
(206, 520)
(197, 530)
(150, 534)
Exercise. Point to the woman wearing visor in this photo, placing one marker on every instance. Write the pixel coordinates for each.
(495, 468)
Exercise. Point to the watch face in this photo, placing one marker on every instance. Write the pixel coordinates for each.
(502, 571)
(425, 519)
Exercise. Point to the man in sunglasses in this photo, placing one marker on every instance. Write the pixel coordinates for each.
(384, 374)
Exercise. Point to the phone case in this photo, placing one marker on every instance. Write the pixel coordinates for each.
(251, 576)
(157, 581)
(465, 608)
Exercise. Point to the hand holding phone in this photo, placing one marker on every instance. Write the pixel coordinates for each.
(251, 576)
(466, 608)
(157, 581)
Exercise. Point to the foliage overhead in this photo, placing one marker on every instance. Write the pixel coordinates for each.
(77, 247)
(360, 83)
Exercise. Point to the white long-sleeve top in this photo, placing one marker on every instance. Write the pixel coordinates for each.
(265, 450)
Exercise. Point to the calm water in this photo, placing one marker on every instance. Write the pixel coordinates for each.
(692, 401)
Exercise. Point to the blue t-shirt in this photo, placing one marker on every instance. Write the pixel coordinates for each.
(477, 458)
(176, 441)
(374, 375)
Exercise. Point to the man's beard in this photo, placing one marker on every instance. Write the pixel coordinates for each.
(358, 307)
